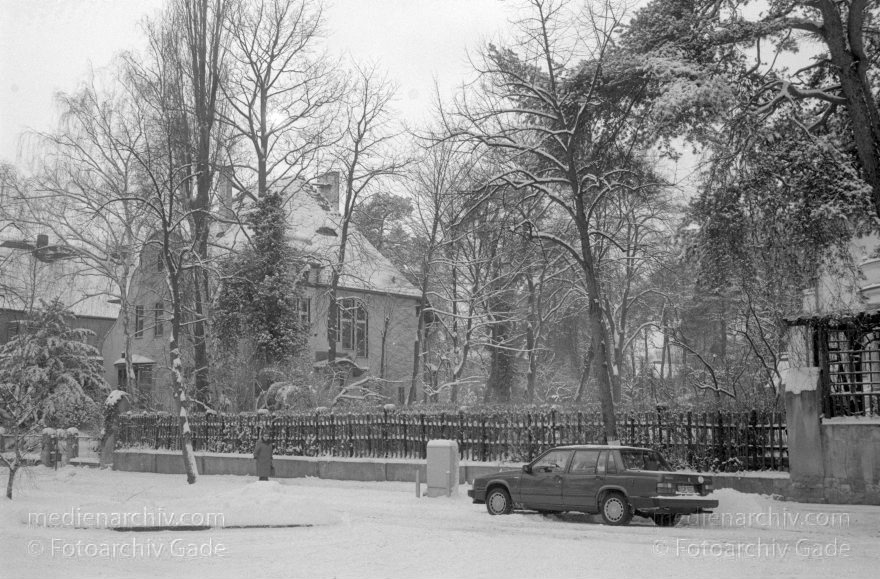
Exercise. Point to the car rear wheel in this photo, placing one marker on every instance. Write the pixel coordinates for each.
(615, 509)
(498, 502)
(666, 520)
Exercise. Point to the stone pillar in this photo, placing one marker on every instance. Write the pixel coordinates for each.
(442, 468)
(802, 417)
(47, 447)
(73, 442)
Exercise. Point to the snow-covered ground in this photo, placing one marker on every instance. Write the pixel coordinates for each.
(57, 527)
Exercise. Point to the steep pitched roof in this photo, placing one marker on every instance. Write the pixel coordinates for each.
(24, 279)
(314, 228)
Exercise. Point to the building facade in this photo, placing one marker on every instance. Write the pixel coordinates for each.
(378, 311)
(31, 273)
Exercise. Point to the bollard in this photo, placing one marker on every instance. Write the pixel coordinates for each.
(418, 483)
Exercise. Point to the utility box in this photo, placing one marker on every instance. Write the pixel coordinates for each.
(442, 468)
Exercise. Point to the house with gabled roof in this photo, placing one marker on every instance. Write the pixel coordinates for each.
(378, 306)
(32, 271)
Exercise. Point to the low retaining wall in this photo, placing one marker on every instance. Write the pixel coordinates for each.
(373, 469)
(851, 461)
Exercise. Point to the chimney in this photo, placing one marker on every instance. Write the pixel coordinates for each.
(328, 185)
(42, 240)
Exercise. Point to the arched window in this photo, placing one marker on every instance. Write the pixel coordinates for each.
(354, 326)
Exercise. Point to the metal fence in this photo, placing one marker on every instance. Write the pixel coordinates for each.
(704, 441)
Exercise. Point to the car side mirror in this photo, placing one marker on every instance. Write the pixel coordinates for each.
(527, 468)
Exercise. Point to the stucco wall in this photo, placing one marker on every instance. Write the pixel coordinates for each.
(400, 333)
(851, 462)
(836, 460)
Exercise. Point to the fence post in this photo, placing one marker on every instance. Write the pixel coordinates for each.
(719, 440)
(423, 438)
(529, 436)
(751, 431)
(483, 437)
(690, 441)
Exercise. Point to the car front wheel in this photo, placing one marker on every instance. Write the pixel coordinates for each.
(498, 502)
(615, 509)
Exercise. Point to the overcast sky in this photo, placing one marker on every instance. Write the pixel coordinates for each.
(49, 45)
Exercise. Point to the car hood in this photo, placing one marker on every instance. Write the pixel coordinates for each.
(504, 474)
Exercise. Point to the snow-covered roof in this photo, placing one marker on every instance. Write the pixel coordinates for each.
(314, 228)
(135, 359)
(24, 279)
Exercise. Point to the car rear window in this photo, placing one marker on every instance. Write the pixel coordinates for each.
(643, 460)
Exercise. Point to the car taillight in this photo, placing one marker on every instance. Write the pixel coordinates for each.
(665, 488)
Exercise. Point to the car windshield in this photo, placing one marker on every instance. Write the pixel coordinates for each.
(644, 460)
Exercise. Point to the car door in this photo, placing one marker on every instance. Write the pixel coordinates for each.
(542, 488)
(581, 482)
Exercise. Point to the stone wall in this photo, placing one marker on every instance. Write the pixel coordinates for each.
(361, 469)
(851, 465)
(831, 460)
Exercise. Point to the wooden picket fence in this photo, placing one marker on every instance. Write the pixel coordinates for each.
(704, 441)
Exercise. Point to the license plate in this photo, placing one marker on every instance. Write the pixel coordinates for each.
(686, 489)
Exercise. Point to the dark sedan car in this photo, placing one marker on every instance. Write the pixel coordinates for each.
(614, 481)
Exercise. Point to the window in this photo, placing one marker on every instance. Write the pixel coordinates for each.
(303, 308)
(138, 321)
(612, 463)
(144, 376)
(553, 461)
(158, 320)
(643, 460)
(353, 326)
(585, 462)
(12, 329)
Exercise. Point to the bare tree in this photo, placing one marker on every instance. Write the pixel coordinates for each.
(282, 94)
(567, 114)
(439, 179)
(367, 157)
(83, 193)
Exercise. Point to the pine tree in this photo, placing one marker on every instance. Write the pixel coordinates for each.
(47, 367)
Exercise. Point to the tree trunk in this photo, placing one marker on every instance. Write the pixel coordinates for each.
(173, 282)
(13, 467)
(586, 365)
(846, 48)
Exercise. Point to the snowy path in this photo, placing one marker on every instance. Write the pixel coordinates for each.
(382, 530)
